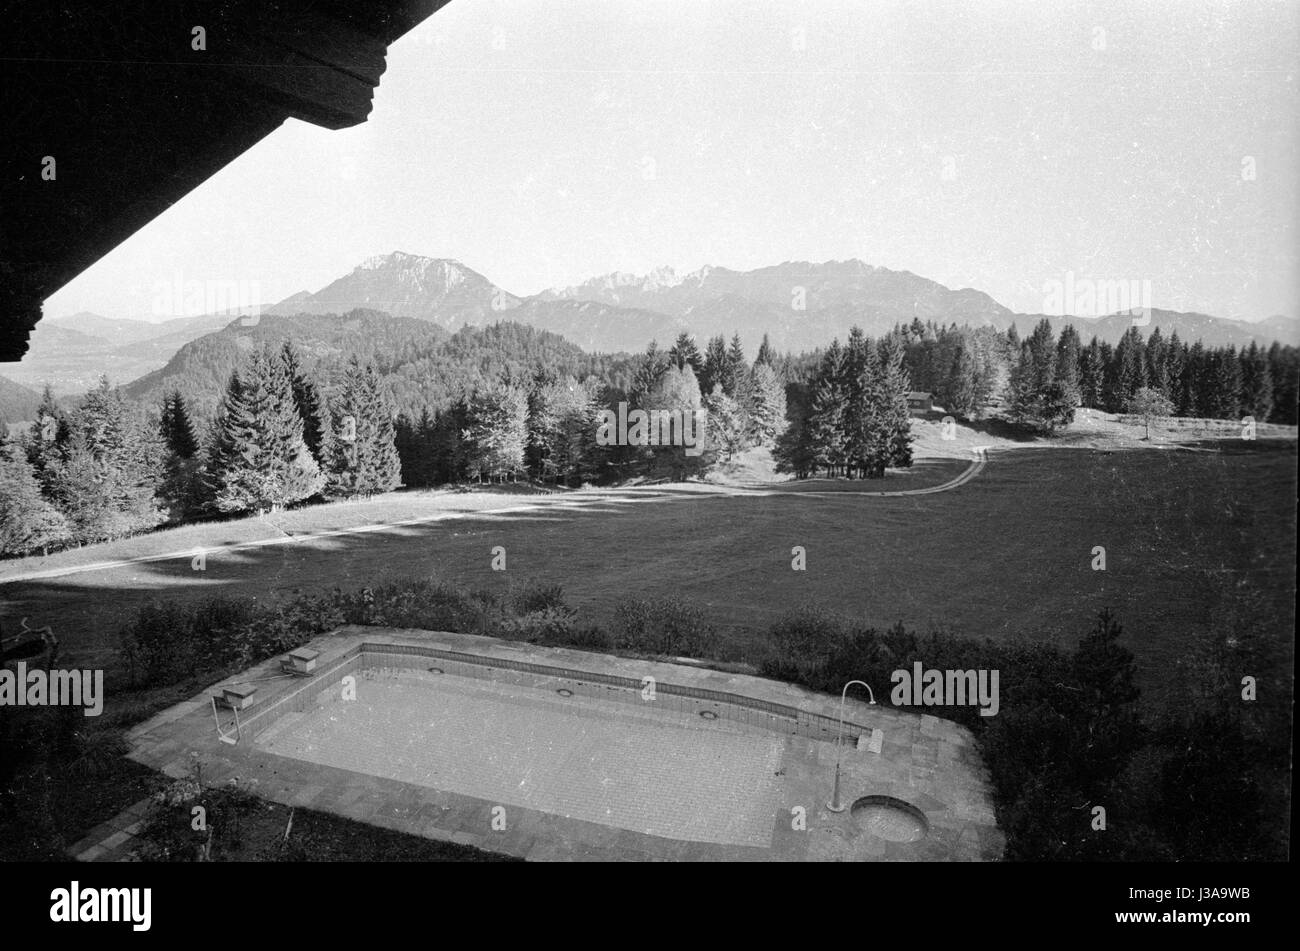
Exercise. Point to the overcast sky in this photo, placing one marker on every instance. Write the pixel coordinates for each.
(995, 145)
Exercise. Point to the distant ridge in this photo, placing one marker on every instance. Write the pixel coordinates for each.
(797, 304)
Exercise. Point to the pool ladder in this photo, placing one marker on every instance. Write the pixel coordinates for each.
(238, 733)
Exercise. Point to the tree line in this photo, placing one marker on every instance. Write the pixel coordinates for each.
(507, 402)
(544, 425)
(111, 468)
(1151, 376)
(1046, 376)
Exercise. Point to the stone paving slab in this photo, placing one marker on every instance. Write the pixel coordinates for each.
(926, 761)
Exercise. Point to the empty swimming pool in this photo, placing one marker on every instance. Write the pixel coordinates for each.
(577, 757)
(580, 755)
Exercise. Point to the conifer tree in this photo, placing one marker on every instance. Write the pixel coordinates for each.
(1066, 371)
(717, 368)
(1196, 383)
(28, 523)
(651, 365)
(684, 353)
(828, 437)
(738, 369)
(259, 459)
(1091, 375)
(1256, 383)
(109, 470)
(765, 355)
(308, 400)
(794, 450)
(1225, 391)
(360, 452)
(1022, 393)
(861, 401)
(1175, 367)
(767, 418)
(1157, 362)
(1130, 356)
(957, 391)
(47, 436)
(177, 430)
(895, 420)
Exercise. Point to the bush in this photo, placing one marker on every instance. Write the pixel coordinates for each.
(664, 626)
(418, 603)
(540, 597)
(168, 834)
(546, 626)
(169, 642)
(800, 644)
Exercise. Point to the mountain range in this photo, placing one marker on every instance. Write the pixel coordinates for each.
(798, 304)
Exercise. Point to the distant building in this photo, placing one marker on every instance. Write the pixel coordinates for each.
(918, 402)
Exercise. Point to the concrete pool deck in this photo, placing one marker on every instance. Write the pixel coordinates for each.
(584, 778)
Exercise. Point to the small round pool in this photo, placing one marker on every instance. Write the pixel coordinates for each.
(890, 819)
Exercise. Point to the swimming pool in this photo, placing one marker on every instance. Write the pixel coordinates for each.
(654, 758)
(555, 754)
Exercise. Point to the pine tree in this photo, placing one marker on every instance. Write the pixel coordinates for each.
(1066, 371)
(649, 368)
(1175, 368)
(1042, 354)
(1130, 355)
(767, 419)
(957, 391)
(1225, 398)
(1196, 383)
(684, 353)
(1157, 361)
(48, 435)
(742, 390)
(716, 369)
(109, 470)
(828, 432)
(794, 452)
(259, 459)
(765, 355)
(1092, 370)
(1022, 392)
(895, 420)
(738, 369)
(308, 401)
(28, 523)
(1110, 401)
(451, 446)
(857, 383)
(1284, 372)
(361, 456)
(1256, 383)
(181, 489)
(177, 430)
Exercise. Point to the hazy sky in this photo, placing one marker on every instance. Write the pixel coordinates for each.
(989, 144)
